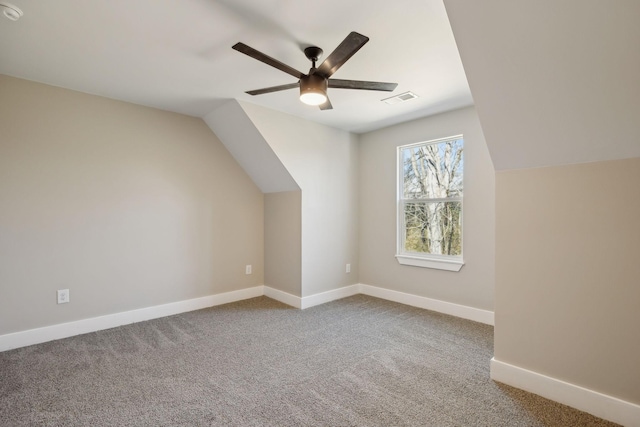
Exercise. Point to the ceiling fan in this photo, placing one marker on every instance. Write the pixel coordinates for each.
(313, 86)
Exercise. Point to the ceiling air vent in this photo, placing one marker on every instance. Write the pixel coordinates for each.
(400, 98)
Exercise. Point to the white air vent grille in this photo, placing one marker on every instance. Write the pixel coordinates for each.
(400, 98)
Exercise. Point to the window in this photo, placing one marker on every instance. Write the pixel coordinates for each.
(430, 188)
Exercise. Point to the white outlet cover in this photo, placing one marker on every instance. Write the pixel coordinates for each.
(63, 296)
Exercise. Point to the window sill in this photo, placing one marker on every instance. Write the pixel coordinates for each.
(435, 263)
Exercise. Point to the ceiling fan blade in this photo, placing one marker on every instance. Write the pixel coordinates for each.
(326, 106)
(349, 46)
(273, 89)
(359, 84)
(255, 54)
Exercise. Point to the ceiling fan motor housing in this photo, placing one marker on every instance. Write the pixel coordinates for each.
(313, 84)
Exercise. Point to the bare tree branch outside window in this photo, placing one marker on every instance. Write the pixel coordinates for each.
(431, 199)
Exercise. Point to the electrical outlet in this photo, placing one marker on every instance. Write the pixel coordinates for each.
(63, 296)
(247, 269)
(348, 268)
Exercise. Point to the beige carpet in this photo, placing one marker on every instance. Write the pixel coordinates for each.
(360, 361)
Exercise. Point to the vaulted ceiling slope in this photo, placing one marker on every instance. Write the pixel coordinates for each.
(177, 56)
(250, 148)
(554, 82)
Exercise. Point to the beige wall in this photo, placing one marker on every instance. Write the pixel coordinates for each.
(124, 205)
(474, 285)
(323, 161)
(568, 277)
(283, 241)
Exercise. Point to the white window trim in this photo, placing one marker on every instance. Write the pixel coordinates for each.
(429, 262)
(438, 262)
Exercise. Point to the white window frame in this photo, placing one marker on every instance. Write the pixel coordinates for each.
(417, 259)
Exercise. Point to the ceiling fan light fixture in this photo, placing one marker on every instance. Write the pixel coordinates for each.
(313, 98)
(313, 89)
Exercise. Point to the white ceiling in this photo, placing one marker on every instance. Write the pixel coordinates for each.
(176, 54)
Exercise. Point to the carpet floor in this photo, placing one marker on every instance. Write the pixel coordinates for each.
(360, 361)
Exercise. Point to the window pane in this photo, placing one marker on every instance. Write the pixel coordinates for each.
(433, 171)
(433, 227)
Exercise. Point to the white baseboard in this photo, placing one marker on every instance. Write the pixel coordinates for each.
(64, 330)
(78, 327)
(331, 295)
(283, 297)
(311, 300)
(593, 402)
(466, 312)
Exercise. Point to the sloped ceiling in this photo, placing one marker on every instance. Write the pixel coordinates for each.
(176, 54)
(554, 82)
(250, 149)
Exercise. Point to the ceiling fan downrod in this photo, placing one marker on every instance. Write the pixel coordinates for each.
(313, 54)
